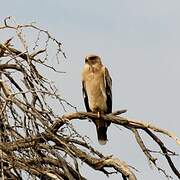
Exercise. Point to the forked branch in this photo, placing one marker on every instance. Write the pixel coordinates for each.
(36, 140)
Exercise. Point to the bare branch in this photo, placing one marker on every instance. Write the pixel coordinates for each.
(143, 147)
(122, 121)
(165, 151)
(36, 138)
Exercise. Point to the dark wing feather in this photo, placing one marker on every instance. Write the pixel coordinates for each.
(108, 82)
(86, 102)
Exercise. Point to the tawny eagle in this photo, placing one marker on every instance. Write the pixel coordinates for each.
(97, 93)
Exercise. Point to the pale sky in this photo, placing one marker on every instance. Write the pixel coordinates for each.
(139, 42)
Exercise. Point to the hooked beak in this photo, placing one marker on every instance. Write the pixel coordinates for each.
(91, 68)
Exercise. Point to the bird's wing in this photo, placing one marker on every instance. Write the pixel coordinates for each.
(108, 86)
(86, 102)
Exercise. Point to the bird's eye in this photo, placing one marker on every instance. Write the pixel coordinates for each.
(86, 60)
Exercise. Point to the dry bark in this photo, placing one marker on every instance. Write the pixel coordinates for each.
(38, 143)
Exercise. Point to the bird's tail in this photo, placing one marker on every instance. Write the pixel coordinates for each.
(102, 134)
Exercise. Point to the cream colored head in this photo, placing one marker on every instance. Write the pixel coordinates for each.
(93, 60)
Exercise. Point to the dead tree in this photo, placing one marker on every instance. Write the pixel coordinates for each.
(35, 141)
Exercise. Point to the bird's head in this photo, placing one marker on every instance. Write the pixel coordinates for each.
(93, 61)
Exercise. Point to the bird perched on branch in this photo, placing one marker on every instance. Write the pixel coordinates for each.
(97, 92)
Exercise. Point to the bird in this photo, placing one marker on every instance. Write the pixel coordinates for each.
(97, 93)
